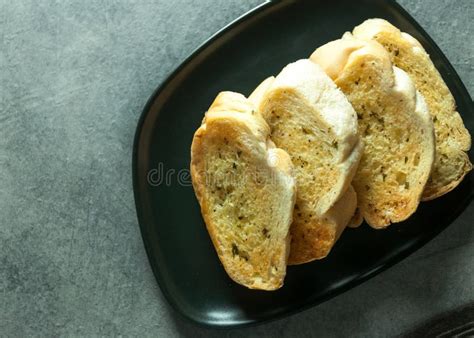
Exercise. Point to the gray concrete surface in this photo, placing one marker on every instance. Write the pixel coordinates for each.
(74, 76)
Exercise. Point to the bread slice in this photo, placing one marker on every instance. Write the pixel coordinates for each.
(246, 191)
(452, 138)
(394, 123)
(313, 121)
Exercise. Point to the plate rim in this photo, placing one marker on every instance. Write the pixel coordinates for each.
(390, 262)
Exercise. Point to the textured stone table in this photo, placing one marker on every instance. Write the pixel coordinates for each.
(74, 76)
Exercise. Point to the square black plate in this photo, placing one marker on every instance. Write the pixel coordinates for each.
(237, 58)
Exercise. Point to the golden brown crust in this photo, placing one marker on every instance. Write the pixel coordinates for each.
(356, 220)
(257, 95)
(433, 191)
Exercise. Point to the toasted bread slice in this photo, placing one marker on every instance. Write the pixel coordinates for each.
(246, 191)
(313, 121)
(452, 138)
(394, 123)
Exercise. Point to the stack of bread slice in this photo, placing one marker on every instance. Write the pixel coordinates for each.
(394, 123)
(364, 129)
(452, 138)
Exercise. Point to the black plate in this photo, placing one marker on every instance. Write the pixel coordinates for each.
(255, 46)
